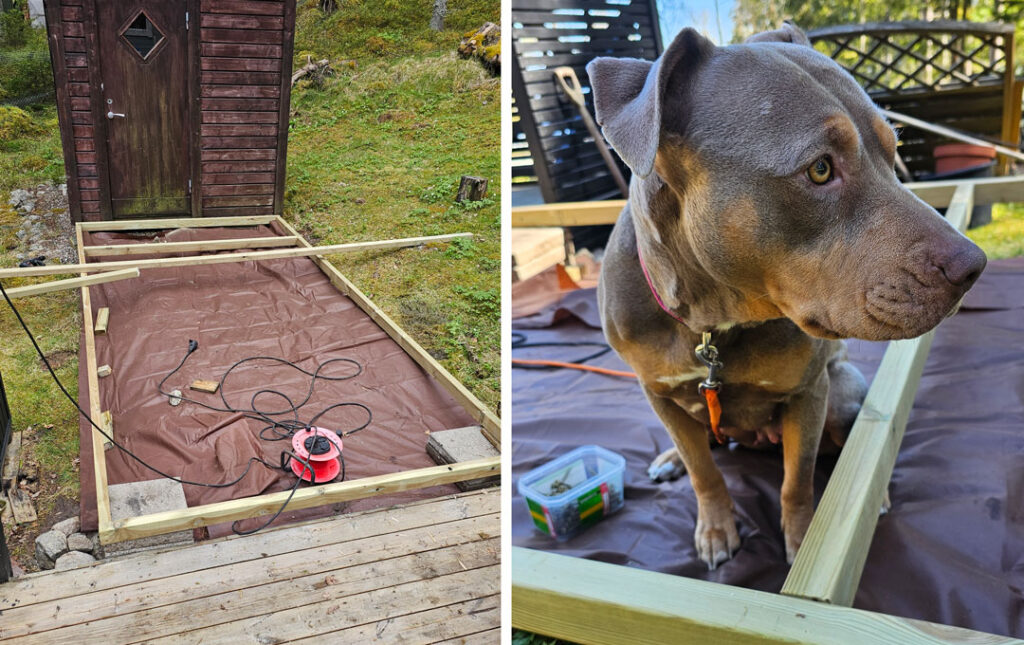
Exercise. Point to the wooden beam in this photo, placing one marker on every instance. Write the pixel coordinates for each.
(951, 134)
(490, 424)
(989, 190)
(304, 497)
(830, 561)
(191, 247)
(586, 601)
(189, 222)
(198, 260)
(569, 213)
(99, 460)
(72, 283)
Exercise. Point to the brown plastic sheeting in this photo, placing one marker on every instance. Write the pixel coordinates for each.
(951, 550)
(283, 308)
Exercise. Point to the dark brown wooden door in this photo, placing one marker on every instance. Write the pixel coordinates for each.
(144, 66)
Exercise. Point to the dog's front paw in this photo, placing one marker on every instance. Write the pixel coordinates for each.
(666, 466)
(716, 537)
(794, 526)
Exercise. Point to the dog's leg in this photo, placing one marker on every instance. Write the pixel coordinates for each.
(803, 421)
(716, 537)
(847, 389)
(666, 466)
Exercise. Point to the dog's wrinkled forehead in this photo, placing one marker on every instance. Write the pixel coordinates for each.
(766, 93)
(768, 103)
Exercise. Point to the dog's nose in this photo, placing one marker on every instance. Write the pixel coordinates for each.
(964, 265)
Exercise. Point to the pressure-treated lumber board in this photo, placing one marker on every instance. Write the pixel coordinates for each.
(99, 459)
(830, 561)
(72, 283)
(988, 190)
(307, 497)
(191, 247)
(569, 213)
(952, 134)
(490, 424)
(102, 320)
(155, 224)
(199, 260)
(152, 566)
(594, 602)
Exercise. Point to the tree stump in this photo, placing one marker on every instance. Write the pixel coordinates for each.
(471, 189)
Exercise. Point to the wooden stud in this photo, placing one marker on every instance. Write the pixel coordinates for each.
(952, 134)
(191, 247)
(586, 601)
(989, 190)
(72, 283)
(199, 260)
(205, 386)
(569, 214)
(104, 371)
(491, 425)
(171, 223)
(95, 411)
(102, 320)
(307, 497)
(831, 559)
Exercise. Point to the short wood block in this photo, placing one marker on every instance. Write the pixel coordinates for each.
(205, 386)
(463, 444)
(102, 319)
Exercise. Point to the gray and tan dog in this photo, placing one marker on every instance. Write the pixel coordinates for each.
(763, 209)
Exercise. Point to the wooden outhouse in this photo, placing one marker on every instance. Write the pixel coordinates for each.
(172, 107)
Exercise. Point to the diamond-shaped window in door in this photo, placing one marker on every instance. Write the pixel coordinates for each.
(142, 35)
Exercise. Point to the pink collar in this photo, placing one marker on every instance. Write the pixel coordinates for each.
(654, 292)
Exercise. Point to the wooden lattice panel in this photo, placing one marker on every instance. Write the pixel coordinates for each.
(897, 57)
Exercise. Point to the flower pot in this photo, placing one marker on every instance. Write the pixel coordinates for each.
(958, 156)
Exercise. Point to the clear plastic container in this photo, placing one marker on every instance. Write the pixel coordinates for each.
(575, 491)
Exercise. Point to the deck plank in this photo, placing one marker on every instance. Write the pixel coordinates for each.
(461, 619)
(153, 565)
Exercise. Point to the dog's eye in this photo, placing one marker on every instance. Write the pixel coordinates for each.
(820, 171)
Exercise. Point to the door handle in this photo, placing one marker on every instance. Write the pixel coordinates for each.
(111, 115)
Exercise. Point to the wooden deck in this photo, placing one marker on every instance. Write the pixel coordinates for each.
(426, 572)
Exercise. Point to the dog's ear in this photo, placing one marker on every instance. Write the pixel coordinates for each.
(787, 33)
(628, 95)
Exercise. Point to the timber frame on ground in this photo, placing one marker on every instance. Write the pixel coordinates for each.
(594, 602)
(306, 497)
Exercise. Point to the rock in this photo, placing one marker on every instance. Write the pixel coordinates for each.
(97, 548)
(63, 189)
(19, 196)
(50, 546)
(73, 560)
(79, 542)
(68, 526)
(34, 218)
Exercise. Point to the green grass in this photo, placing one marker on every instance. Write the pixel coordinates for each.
(33, 398)
(27, 159)
(1004, 236)
(378, 154)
